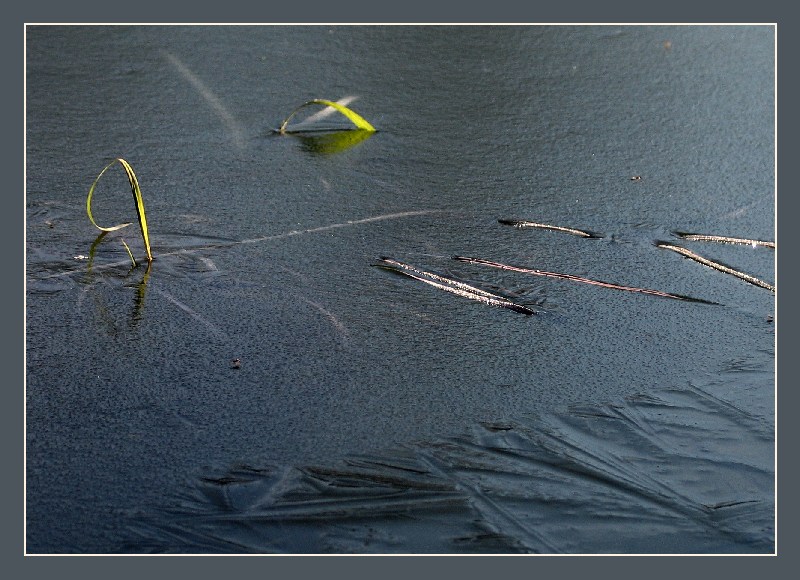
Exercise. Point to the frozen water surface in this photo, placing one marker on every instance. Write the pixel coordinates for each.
(369, 412)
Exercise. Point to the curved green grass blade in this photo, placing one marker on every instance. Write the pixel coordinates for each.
(133, 260)
(93, 249)
(137, 196)
(359, 121)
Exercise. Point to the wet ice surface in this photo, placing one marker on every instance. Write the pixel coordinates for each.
(499, 453)
(369, 412)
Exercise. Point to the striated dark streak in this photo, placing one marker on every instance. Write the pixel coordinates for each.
(579, 279)
(727, 504)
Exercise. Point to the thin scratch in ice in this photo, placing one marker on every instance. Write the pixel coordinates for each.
(328, 314)
(210, 97)
(210, 325)
(377, 218)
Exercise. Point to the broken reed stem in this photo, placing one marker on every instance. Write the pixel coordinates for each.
(579, 279)
(449, 281)
(528, 224)
(453, 286)
(725, 240)
(716, 265)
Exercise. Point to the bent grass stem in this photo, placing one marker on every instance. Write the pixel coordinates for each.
(360, 122)
(137, 196)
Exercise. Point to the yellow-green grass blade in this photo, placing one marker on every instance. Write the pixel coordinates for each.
(137, 196)
(93, 248)
(329, 143)
(359, 121)
(133, 260)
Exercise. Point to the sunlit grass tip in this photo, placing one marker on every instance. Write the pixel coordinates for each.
(137, 196)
